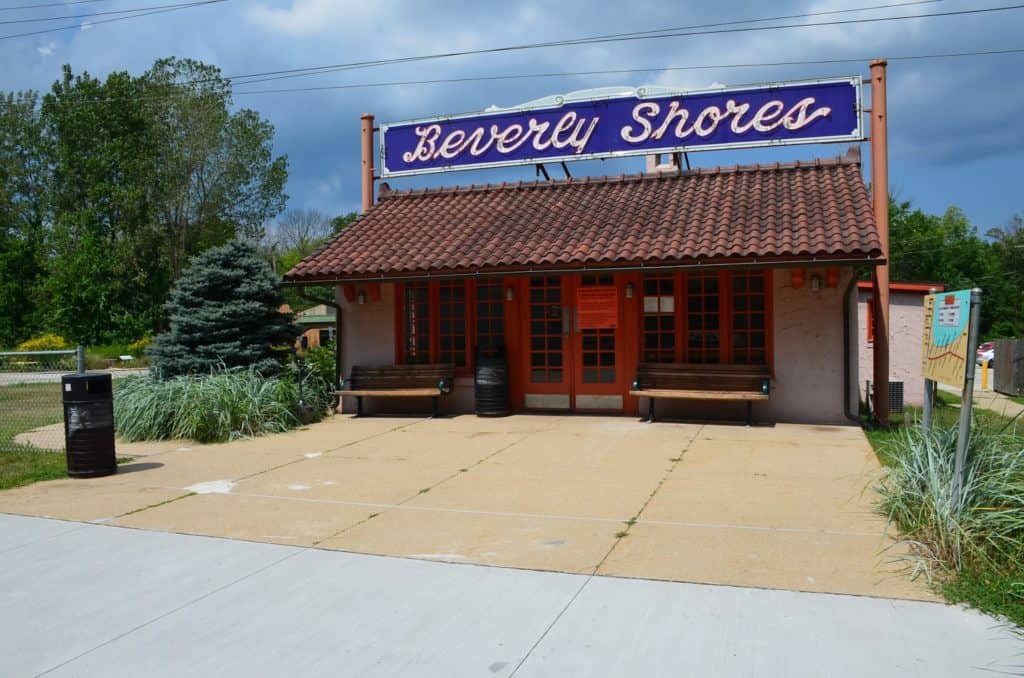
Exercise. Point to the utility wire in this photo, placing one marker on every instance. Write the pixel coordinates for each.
(297, 72)
(50, 4)
(72, 27)
(617, 71)
(85, 16)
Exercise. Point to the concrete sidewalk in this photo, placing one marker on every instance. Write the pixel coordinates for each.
(786, 506)
(91, 600)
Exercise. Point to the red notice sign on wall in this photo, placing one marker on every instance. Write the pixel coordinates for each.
(598, 307)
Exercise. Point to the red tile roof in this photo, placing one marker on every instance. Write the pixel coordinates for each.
(773, 212)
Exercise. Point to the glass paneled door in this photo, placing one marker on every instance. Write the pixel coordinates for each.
(572, 332)
(597, 323)
(548, 365)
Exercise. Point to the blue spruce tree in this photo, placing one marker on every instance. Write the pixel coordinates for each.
(224, 312)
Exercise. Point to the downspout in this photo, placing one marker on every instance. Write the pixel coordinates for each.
(301, 290)
(846, 352)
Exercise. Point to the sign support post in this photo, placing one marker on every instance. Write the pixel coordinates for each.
(968, 395)
(880, 203)
(929, 396)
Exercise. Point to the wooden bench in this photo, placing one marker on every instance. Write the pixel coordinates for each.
(702, 382)
(393, 381)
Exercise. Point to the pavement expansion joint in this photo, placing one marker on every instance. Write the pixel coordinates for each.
(675, 461)
(401, 504)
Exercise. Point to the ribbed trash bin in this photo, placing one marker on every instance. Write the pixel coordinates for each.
(89, 425)
(490, 381)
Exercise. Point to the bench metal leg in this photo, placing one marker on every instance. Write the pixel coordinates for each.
(359, 406)
(750, 413)
(434, 412)
(650, 410)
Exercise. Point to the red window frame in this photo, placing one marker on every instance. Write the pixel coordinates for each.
(659, 326)
(434, 326)
(453, 328)
(726, 315)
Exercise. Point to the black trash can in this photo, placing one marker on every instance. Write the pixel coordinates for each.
(490, 381)
(89, 425)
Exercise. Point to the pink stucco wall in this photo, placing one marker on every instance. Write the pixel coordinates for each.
(809, 358)
(807, 338)
(368, 335)
(906, 326)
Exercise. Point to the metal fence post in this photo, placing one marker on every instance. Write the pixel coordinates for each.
(80, 358)
(968, 396)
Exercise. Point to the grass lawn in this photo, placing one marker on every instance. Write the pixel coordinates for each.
(995, 591)
(24, 407)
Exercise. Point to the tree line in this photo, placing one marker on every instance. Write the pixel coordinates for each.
(108, 187)
(947, 249)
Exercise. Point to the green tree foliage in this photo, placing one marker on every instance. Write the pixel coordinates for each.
(23, 208)
(108, 187)
(947, 249)
(1006, 289)
(224, 312)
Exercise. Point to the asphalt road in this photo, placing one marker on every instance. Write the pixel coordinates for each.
(81, 599)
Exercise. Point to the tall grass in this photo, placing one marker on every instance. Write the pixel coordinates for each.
(982, 529)
(223, 405)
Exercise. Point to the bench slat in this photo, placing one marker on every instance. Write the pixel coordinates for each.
(700, 395)
(391, 392)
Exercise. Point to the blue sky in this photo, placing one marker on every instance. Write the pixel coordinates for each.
(955, 131)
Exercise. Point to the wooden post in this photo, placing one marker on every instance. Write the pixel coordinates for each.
(367, 168)
(880, 276)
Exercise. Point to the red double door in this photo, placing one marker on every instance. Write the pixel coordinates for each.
(575, 342)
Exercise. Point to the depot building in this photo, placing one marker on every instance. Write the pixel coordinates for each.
(582, 281)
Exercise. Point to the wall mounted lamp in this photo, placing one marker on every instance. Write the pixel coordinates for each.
(629, 290)
(510, 293)
(815, 283)
(361, 297)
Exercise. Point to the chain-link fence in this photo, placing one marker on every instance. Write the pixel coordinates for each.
(31, 414)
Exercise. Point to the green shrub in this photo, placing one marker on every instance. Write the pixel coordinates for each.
(45, 342)
(223, 405)
(138, 348)
(983, 528)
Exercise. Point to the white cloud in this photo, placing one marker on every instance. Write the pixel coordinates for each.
(48, 49)
(309, 17)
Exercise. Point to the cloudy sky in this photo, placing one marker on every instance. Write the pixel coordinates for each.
(955, 132)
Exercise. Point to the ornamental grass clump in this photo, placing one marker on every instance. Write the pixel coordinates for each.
(224, 404)
(982, 530)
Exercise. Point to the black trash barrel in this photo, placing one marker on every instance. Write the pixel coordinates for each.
(89, 425)
(490, 382)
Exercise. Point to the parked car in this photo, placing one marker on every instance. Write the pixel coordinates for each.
(986, 352)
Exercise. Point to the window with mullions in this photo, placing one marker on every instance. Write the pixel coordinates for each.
(417, 322)
(659, 324)
(490, 314)
(452, 322)
(749, 318)
(598, 345)
(703, 318)
(546, 330)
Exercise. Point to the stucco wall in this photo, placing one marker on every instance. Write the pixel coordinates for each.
(368, 335)
(906, 326)
(807, 339)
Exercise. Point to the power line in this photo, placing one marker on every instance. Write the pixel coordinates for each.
(50, 4)
(619, 71)
(72, 27)
(298, 72)
(85, 16)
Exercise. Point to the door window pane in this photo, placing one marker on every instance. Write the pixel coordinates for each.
(452, 334)
(749, 329)
(659, 333)
(417, 323)
(545, 329)
(702, 318)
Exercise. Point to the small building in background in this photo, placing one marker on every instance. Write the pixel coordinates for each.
(317, 324)
(906, 329)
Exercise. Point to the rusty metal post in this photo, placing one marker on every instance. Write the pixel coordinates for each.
(368, 168)
(880, 200)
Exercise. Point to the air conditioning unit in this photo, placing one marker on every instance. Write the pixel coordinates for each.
(895, 396)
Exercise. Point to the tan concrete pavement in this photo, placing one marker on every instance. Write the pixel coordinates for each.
(778, 507)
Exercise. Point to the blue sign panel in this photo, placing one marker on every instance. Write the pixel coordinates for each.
(627, 124)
